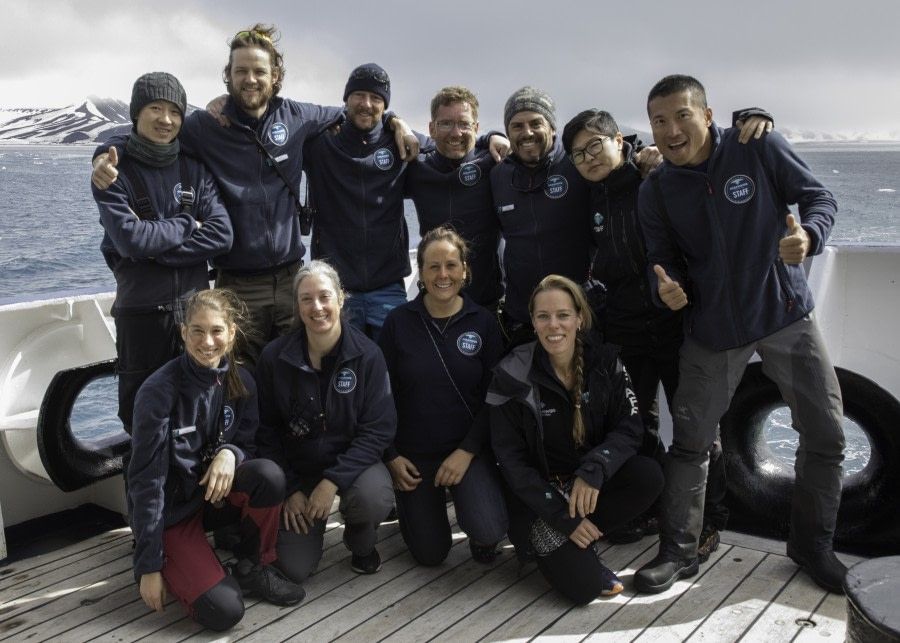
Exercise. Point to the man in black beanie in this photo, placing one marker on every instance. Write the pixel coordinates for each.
(355, 180)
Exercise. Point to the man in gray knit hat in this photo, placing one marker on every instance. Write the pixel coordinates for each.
(541, 202)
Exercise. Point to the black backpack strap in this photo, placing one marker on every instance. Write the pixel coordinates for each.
(187, 193)
(142, 205)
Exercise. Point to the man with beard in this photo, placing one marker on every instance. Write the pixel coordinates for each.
(541, 202)
(356, 187)
(257, 162)
(450, 185)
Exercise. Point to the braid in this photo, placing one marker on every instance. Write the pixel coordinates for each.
(578, 423)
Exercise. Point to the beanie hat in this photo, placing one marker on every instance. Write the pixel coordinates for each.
(157, 85)
(530, 99)
(369, 78)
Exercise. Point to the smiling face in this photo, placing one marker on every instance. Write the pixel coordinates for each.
(251, 79)
(602, 154)
(364, 109)
(530, 137)
(556, 322)
(442, 271)
(681, 128)
(159, 121)
(207, 337)
(319, 305)
(454, 143)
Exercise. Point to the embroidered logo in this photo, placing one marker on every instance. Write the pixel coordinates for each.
(229, 417)
(556, 187)
(178, 192)
(384, 160)
(632, 399)
(469, 174)
(469, 343)
(345, 381)
(547, 412)
(739, 189)
(598, 222)
(278, 133)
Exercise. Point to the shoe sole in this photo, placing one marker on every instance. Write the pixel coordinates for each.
(684, 572)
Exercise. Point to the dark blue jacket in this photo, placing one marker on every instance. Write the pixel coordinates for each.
(727, 223)
(356, 186)
(458, 192)
(543, 215)
(620, 261)
(263, 212)
(178, 411)
(160, 262)
(360, 419)
(613, 428)
(431, 416)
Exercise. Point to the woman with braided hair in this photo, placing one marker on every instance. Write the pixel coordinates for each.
(566, 431)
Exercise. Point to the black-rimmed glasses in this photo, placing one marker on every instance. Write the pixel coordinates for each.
(447, 126)
(594, 148)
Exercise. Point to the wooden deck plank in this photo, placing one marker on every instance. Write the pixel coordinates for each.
(796, 602)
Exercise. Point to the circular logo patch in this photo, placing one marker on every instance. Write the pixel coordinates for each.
(278, 133)
(229, 417)
(384, 160)
(345, 381)
(469, 174)
(177, 192)
(739, 189)
(556, 187)
(469, 343)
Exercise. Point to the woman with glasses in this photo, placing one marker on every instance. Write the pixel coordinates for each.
(326, 416)
(565, 429)
(440, 349)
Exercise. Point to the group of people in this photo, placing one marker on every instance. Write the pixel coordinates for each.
(534, 403)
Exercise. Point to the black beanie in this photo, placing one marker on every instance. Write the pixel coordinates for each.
(157, 85)
(530, 99)
(369, 78)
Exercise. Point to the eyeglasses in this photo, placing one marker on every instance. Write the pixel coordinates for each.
(251, 34)
(447, 126)
(299, 426)
(378, 75)
(594, 148)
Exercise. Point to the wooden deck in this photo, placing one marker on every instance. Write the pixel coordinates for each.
(747, 591)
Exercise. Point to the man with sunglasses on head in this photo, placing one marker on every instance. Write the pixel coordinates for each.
(257, 162)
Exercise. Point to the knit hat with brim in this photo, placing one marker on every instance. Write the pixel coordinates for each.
(157, 85)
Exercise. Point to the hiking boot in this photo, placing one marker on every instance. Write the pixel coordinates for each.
(661, 573)
(633, 531)
(610, 582)
(266, 582)
(368, 564)
(822, 566)
(709, 542)
(483, 553)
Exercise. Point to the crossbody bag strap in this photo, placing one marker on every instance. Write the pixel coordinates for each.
(446, 370)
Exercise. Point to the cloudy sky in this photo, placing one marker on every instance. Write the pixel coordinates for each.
(814, 67)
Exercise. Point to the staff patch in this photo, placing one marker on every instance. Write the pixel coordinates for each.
(469, 343)
(229, 417)
(739, 189)
(344, 381)
(556, 187)
(469, 174)
(278, 133)
(384, 160)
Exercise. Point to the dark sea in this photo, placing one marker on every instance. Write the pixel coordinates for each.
(50, 236)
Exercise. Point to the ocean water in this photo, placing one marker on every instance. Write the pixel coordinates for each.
(50, 235)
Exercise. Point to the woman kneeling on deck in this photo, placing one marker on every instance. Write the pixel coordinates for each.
(566, 431)
(191, 471)
(326, 416)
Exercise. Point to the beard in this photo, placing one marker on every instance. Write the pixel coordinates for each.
(261, 98)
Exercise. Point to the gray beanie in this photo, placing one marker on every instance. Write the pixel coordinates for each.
(157, 85)
(530, 99)
(369, 78)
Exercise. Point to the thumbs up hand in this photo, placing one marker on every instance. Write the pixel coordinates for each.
(105, 172)
(671, 292)
(793, 248)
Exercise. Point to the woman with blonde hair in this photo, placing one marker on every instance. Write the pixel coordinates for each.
(566, 432)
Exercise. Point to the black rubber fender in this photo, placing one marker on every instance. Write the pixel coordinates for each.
(760, 486)
(69, 463)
